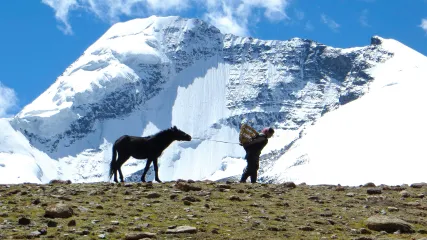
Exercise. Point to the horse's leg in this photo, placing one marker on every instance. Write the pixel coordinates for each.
(114, 167)
(115, 176)
(115, 172)
(147, 166)
(121, 175)
(156, 171)
(113, 162)
(122, 159)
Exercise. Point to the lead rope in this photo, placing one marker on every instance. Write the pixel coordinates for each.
(212, 140)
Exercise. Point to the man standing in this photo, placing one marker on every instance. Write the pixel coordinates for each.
(253, 151)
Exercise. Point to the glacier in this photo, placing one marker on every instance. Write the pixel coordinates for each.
(146, 75)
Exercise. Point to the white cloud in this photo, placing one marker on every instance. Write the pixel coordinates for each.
(62, 8)
(299, 14)
(423, 24)
(226, 22)
(234, 16)
(330, 22)
(308, 26)
(8, 100)
(111, 10)
(166, 5)
(274, 9)
(230, 16)
(363, 19)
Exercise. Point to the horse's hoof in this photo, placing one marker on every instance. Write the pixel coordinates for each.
(158, 180)
(142, 180)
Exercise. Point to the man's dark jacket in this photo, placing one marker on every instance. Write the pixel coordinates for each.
(253, 151)
(255, 146)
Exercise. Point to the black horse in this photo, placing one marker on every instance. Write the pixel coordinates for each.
(149, 148)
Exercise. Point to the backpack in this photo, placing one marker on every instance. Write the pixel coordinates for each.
(247, 133)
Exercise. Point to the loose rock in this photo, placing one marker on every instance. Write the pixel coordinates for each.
(59, 210)
(372, 191)
(388, 224)
(24, 221)
(182, 229)
(140, 236)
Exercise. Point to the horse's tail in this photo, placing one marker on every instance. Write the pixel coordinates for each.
(113, 162)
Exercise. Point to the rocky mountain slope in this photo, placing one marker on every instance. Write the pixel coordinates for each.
(209, 210)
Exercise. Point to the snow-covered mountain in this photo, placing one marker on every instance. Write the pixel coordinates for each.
(20, 162)
(146, 75)
(378, 138)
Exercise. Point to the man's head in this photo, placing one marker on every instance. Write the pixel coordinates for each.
(268, 132)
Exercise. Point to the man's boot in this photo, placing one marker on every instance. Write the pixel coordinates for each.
(254, 177)
(245, 176)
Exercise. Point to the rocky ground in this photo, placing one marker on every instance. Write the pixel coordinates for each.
(211, 210)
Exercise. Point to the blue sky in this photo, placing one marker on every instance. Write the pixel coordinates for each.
(41, 38)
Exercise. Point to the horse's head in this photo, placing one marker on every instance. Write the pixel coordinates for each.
(180, 135)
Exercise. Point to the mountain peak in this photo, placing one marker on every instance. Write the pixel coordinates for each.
(150, 26)
(376, 40)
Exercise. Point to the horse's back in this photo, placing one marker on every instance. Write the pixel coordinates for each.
(121, 140)
(131, 143)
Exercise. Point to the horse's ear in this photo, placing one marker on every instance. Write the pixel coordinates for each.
(174, 128)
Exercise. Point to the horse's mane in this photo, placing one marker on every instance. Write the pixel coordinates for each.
(161, 133)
